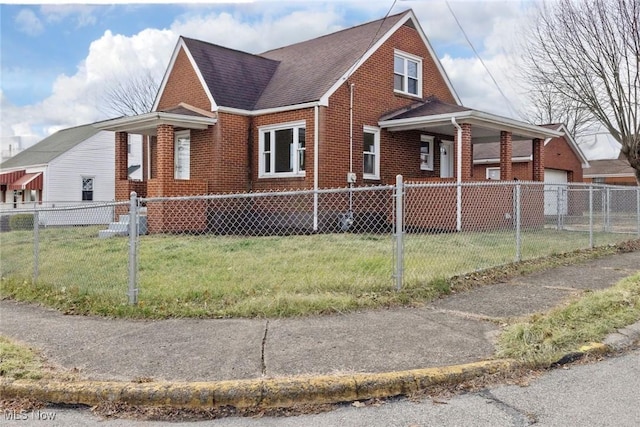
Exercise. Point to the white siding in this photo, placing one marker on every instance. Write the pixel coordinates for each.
(94, 157)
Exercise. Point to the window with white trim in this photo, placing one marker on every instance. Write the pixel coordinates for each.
(282, 150)
(426, 153)
(182, 155)
(87, 189)
(493, 173)
(371, 153)
(407, 74)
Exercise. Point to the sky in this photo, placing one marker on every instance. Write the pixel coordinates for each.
(58, 59)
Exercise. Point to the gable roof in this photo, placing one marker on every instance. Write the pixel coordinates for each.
(300, 73)
(51, 147)
(619, 167)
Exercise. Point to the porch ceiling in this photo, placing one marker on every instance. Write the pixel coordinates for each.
(485, 127)
(147, 124)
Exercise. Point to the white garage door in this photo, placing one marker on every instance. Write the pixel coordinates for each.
(555, 196)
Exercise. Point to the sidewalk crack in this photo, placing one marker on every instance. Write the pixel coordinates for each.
(519, 417)
(264, 344)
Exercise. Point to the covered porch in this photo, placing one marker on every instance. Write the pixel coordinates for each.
(450, 132)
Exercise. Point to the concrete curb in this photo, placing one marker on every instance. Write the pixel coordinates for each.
(277, 392)
(256, 393)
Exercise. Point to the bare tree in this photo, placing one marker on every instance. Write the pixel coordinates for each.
(587, 53)
(130, 97)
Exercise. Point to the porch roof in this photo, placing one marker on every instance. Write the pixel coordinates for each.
(181, 116)
(28, 181)
(434, 115)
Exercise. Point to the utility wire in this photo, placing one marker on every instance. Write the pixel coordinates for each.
(511, 106)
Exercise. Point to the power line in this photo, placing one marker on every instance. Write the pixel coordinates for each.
(511, 106)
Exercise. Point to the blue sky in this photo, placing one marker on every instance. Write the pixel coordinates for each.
(57, 60)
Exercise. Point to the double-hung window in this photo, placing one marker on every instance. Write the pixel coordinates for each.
(282, 150)
(182, 153)
(87, 189)
(371, 153)
(426, 153)
(407, 73)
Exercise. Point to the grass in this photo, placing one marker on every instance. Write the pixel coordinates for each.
(18, 361)
(276, 276)
(543, 338)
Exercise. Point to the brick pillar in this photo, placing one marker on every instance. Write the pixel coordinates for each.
(121, 170)
(506, 156)
(538, 159)
(164, 160)
(467, 153)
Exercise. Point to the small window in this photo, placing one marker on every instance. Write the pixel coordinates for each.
(371, 153)
(182, 153)
(282, 150)
(87, 189)
(493, 173)
(407, 72)
(426, 153)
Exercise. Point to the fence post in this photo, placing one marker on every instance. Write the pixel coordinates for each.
(36, 242)
(638, 209)
(133, 249)
(590, 217)
(518, 224)
(399, 234)
(607, 219)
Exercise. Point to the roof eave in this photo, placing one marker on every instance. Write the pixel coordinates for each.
(472, 117)
(147, 123)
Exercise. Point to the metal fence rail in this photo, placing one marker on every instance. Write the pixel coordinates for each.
(375, 237)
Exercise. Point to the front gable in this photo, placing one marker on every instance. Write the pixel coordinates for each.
(183, 83)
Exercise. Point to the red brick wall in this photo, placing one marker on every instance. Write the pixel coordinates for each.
(559, 155)
(183, 86)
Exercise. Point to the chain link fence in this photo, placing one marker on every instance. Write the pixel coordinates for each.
(364, 239)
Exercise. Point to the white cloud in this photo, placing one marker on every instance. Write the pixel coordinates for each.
(82, 14)
(28, 23)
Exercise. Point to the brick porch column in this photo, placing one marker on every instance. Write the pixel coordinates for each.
(121, 166)
(467, 153)
(538, 159)
(164, 161)
(506, 156)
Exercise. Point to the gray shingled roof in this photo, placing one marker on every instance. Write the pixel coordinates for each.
(235, 79)
(289, 75)
(51, 147)
(619, 166)
(431, 106)
(491, 150)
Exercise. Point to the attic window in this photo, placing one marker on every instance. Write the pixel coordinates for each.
(407, 74)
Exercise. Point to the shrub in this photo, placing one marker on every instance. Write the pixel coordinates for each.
(21, 222)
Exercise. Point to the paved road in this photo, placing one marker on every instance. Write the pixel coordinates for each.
(599, 394)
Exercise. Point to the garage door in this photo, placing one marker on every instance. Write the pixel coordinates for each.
(555, 196)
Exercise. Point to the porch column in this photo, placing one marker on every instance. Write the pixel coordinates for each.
(164, 157)
(506, 156)
(467, 153)
(121, 166)
(538, 159)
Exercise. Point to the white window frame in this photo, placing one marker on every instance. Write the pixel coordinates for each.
(426, 163)
(295, 152)
(376, 153)
(406, 57)
(184, 172)
(492, 169)
(93, 188)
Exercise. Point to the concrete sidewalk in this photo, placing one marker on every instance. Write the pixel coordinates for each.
(454, 330)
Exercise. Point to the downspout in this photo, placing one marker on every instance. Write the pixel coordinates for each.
(350, 215)
(147, 138)
(316, 143)
(458, 175)
(250, 155)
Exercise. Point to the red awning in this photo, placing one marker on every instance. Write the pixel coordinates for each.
(29, 181)
(10, 177)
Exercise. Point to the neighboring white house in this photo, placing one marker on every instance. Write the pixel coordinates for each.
(72, 167)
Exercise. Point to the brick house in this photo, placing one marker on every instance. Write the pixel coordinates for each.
(355, 107)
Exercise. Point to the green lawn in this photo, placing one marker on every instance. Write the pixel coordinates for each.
(227, 276)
